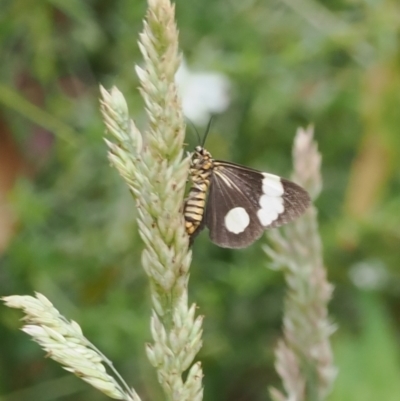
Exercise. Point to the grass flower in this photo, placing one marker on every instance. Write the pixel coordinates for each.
(65, 343)
(153, 166)
(303, 357)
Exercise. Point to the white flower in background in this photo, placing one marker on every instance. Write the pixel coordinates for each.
(369, 275)
(203, 93)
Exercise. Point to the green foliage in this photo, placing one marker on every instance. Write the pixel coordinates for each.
(334, 64)
(369, 359)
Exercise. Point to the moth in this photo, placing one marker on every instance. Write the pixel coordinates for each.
(238, 203)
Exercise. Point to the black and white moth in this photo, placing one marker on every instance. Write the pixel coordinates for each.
(241, 202)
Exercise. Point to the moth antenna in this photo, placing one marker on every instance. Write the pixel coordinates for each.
(194, 127)
(207, 131)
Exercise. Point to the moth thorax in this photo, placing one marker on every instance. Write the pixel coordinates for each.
(201, 165)
(201, 174)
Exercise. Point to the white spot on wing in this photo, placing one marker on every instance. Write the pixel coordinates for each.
(266, 217)
(272, 185)
(271, 202)
(236, 220)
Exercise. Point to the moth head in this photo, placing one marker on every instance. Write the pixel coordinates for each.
(201, 158)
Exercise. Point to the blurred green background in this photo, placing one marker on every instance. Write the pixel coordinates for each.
(67, 221)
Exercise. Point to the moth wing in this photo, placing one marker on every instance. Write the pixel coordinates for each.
(231, 214)
(243, 202)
